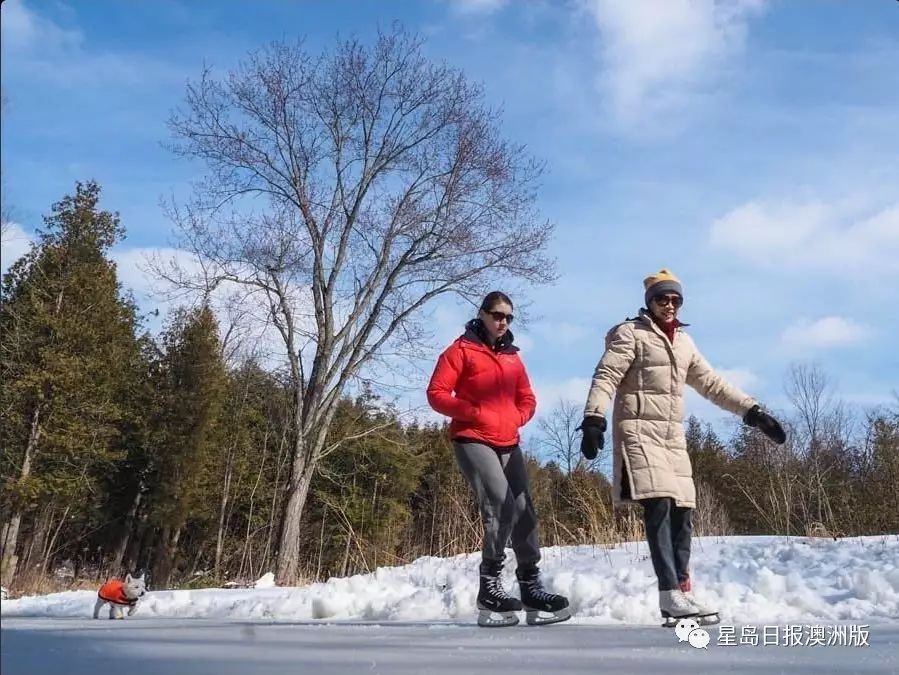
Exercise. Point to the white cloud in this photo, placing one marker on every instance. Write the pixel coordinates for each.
(447, 321)
(41, 49)
(477, 7)
(828, 237)
(563, 333)
(828, 331)
(744, 378)
(132, 265)
(245, 309)
(155, 298)
(524, 342)
(22, 30)
(657, 53)
(548, 394)
(706, 411)
(14, 243)
(240, 309)
(694, 404)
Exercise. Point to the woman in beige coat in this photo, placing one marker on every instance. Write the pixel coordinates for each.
(646, 364)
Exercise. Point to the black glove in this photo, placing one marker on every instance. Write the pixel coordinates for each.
(593, 426)
(758, 418)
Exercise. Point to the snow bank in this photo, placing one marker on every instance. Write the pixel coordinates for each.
(267, 581)
(750, 579)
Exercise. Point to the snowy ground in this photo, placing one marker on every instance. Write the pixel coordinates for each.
(420, 617)
(749, 579)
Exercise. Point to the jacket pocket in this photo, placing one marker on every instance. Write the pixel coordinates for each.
(474, 417)
(511, 425)
(521, 418)
(498, 425)
(640, 404)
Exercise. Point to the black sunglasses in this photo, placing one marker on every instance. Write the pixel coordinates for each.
(499, 316)
(664, 300)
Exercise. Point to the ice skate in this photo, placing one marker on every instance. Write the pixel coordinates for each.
(705, 615)
(675, 606)
(496, 608)
(541, 608)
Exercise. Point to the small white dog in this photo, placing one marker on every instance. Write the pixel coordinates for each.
(120, 594)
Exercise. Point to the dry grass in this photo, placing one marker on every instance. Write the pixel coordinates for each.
(43, 584)
(819, 530)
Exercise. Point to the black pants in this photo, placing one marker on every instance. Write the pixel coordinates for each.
(669, 529)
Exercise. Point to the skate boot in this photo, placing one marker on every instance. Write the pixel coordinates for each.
(674, 607)
(537, 602)
(704, 615)
(496, 608)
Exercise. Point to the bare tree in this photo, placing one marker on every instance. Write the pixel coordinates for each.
(560, 440)
(825, 428)
(811, 393)
(349, 190)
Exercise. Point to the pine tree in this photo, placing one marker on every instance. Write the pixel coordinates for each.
(65, 331)
(193, 389)
(124, 511)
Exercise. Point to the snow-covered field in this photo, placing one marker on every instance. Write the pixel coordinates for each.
(420, 619)
(763, 580)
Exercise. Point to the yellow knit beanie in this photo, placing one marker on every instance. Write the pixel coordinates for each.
(661, 282)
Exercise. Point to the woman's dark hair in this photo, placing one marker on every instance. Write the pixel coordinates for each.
(494, 298)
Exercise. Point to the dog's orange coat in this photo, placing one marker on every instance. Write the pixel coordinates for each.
(114, 591)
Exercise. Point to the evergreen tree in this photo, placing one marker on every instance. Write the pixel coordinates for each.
(193, 388)
(126, 488)
(65, 333)
(248, 484)
(361, 495)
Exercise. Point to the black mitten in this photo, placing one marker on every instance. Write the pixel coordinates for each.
(593, 426)
(758, 418)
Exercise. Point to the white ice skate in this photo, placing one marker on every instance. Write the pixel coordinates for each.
(705, 615)
(675, 606)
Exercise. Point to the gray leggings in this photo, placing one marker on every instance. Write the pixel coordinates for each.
(500, 481)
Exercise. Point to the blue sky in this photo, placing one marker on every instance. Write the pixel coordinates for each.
(751, 146)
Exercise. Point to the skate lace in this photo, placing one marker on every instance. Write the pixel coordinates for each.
(682, 600)
(495, 588)
(702, 607)
(535, 589)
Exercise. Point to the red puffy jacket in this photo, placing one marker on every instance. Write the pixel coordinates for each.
(493, 396)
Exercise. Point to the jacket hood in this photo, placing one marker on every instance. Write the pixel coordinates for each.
(475, 331)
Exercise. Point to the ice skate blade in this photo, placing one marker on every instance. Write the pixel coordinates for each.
(533, 617)
(708, 619)
(487, 619)
(669, 621)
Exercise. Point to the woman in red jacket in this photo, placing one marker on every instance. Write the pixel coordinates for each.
(480, 382)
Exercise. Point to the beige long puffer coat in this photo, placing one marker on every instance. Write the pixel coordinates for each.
(646, 372)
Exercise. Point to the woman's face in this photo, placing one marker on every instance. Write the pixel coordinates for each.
(497, 320)
(665, 307)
